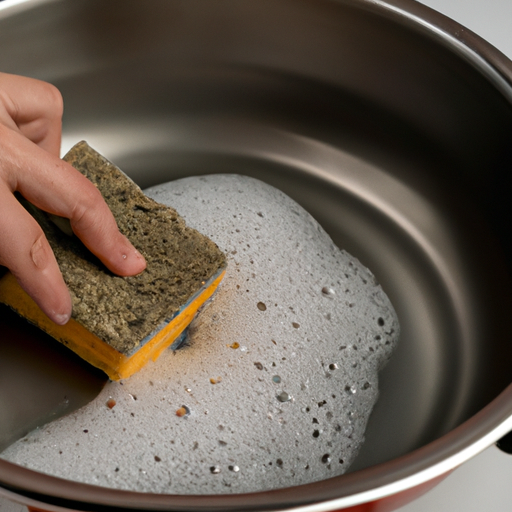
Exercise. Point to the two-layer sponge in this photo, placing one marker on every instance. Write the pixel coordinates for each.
(121, 323)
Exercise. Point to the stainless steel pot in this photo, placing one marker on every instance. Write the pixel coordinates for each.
(390, 123)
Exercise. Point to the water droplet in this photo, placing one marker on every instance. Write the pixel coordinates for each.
(348, 431)
(351, 390)
(333, 366)
(326, 458)
(327, 291)
(215, 470)
(261, 306)
(284, 397)
(235, 469)
(276, 379)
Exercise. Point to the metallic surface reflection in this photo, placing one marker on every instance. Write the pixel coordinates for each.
(393, 133)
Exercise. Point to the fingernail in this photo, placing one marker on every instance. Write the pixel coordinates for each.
(61, 319)
(130, 249)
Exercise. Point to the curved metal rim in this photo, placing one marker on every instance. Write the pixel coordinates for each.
(11, 7)
(481, 54)
(377, 482)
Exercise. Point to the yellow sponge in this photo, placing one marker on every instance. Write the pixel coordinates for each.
(120, 323)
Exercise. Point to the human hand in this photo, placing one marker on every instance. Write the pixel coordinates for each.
(30, 136)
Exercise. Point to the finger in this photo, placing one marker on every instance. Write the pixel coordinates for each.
(26, 252)
(56, 187)
(34, 108)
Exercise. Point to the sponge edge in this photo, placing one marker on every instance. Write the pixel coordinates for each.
(120, 323)
(94, 350)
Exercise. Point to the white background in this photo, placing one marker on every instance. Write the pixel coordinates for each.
(485, 482)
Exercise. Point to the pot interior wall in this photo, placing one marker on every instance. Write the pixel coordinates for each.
(397, 145)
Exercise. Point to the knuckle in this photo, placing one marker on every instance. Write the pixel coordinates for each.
(52, 98)
(85, 211)
(21, 258)
(39, 252)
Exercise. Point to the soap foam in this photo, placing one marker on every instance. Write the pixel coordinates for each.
(276, 381)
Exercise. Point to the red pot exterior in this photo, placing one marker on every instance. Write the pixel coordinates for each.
(395, 501)
(387, 504)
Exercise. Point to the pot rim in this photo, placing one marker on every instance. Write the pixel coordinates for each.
(406, 472)
(422, 465)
